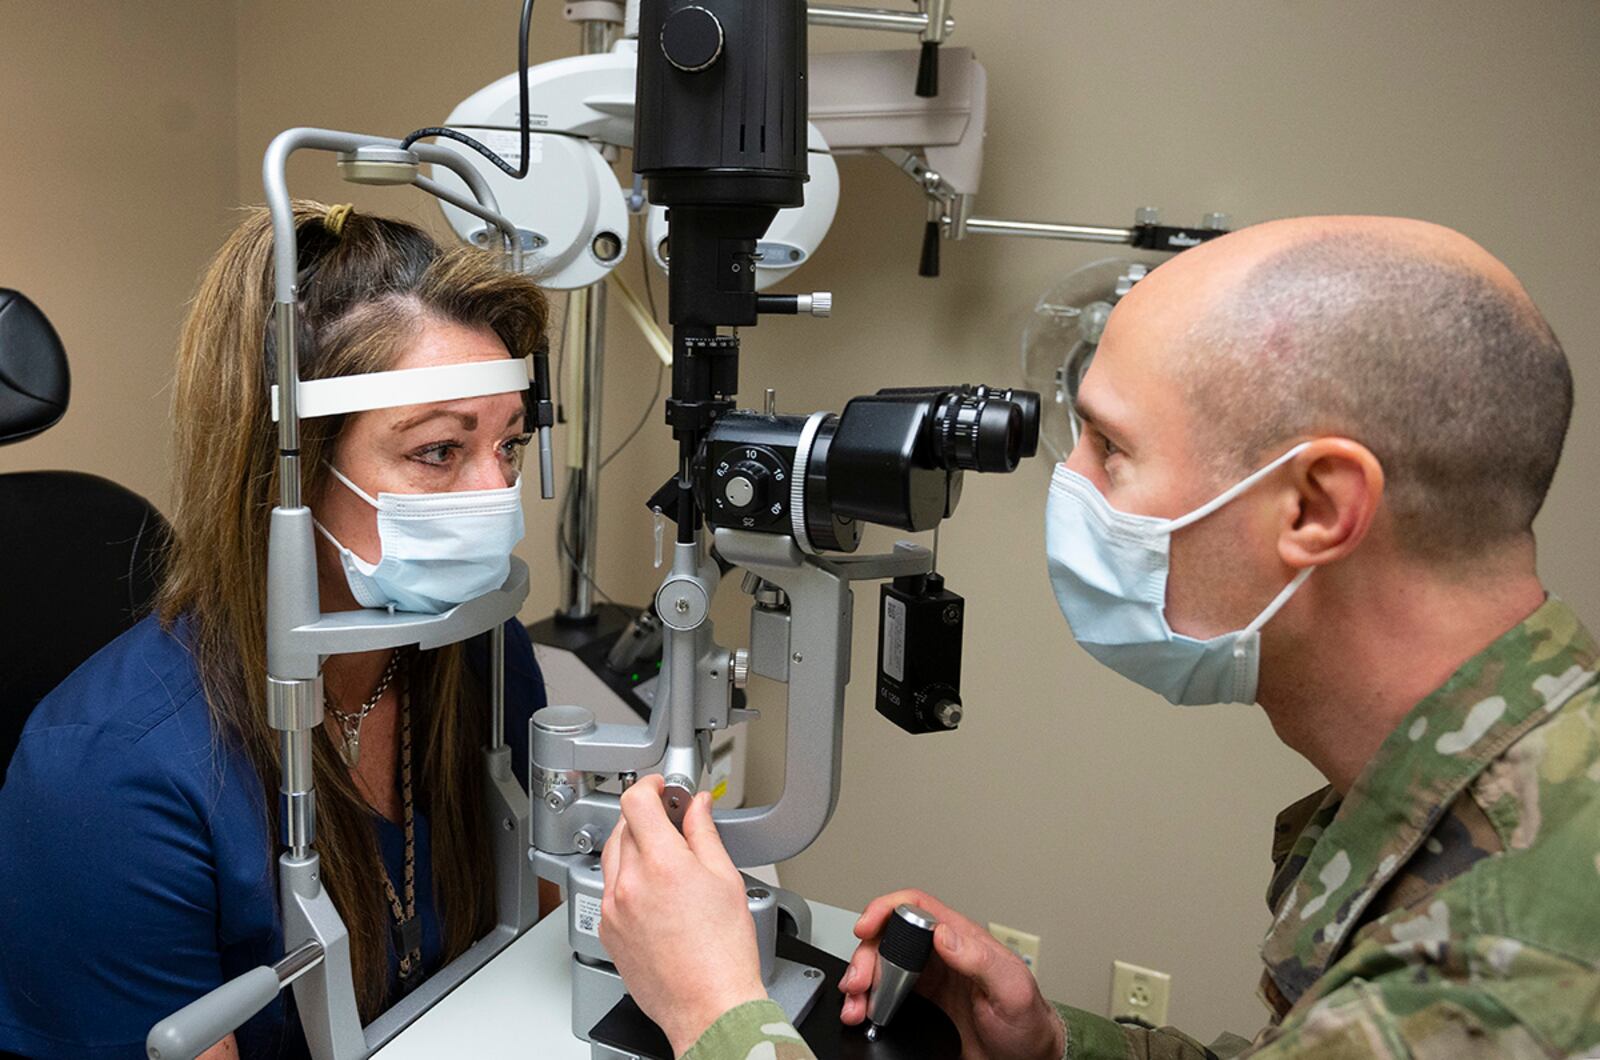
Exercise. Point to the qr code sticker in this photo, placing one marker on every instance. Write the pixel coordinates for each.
(586, 912)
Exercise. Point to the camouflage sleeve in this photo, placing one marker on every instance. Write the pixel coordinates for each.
(1092, 1037)
(756, 1030)
(1407, 1013)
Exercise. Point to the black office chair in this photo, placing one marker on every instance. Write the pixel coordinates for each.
(80, 556)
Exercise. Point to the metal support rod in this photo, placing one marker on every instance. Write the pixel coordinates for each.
(461, 202)
(988, 226)
(283, 314)
(586, 312)
(497, 688)
(845, 17)
(298, 792)
(937, 13)
(583, 481)
(597, 36)
(298, 962)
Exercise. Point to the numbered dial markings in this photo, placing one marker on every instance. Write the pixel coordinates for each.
(751, 486)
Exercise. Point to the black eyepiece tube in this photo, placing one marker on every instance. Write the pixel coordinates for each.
(1027, 402)
(999, 446)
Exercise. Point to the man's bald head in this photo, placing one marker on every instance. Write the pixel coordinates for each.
(1404, 336)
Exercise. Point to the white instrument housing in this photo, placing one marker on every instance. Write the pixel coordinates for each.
(795, 233)
(571, 211)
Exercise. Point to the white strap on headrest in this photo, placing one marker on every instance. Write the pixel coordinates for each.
(409, 386)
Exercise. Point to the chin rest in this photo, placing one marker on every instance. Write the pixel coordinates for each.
(80, 556)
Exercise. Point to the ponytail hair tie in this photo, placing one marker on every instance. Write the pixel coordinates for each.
(334, 219)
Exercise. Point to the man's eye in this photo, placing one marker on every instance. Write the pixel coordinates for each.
(1107, 447)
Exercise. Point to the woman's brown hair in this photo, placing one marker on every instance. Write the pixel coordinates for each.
(363, 290)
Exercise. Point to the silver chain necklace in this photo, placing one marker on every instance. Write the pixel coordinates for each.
(350, 721)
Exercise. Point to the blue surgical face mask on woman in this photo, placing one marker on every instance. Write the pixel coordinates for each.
(438, 549)
(1109, 569)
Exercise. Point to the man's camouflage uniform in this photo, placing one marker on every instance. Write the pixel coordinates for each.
(1448, 906)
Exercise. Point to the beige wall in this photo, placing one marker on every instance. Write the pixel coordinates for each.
(117, 171)
(1069, 804)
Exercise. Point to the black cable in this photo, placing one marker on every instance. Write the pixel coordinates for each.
(650, 297)
(643, 420)
(522, 96)
(567, 555)
(559, 371)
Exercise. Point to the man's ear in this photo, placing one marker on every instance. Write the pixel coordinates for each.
(1338, 486)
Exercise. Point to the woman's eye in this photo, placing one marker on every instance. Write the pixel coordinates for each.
(512, 448)
(437, 455)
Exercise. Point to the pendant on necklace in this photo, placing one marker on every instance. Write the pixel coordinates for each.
(350, 751)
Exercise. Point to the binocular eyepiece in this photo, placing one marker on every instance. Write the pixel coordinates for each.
(895, 458)
(979, 428)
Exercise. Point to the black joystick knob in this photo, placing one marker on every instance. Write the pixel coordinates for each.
(902, 954)
(692, 39)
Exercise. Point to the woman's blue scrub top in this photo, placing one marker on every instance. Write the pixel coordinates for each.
(136, 872)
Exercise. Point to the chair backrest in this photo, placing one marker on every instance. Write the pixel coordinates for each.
(34, 382)
(80, 556)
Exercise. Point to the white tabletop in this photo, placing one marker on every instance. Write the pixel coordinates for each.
(520, 1004)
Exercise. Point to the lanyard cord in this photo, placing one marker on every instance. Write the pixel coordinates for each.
(406, 930)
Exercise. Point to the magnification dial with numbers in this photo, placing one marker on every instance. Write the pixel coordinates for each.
(750, 487)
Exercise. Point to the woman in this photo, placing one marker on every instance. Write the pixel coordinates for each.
(140, 812)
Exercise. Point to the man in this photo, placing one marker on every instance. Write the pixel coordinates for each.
(1311, 456)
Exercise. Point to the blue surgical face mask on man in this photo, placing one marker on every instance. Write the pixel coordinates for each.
(438, 549)
(1109, 569)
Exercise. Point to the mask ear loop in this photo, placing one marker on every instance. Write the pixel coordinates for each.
(1241, 684)
(1233, 491)
(357, 490)
(1277, 602)
(335, 542)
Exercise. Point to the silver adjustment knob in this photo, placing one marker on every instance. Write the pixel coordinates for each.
(948, 714)
(740, 491)
(585, 840)
(559, 798)
(739, 667)
(818, 303)
(676, 794)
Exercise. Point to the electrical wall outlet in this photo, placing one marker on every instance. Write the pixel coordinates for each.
(1139, 993)
(1021, 943)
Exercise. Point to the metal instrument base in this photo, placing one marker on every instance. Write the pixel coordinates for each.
(920, 1030)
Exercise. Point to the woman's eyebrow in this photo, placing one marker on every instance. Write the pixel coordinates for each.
(468, 421)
